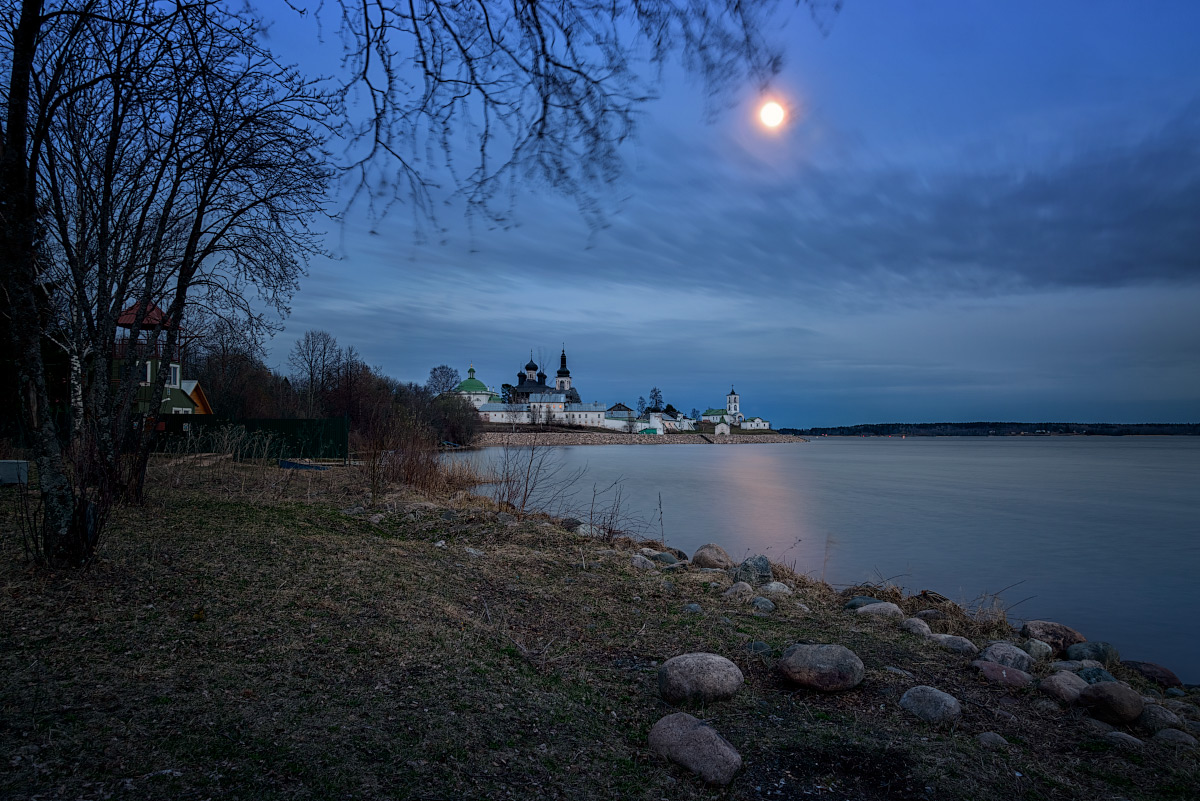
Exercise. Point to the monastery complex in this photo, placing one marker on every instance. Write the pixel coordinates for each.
(534, 399)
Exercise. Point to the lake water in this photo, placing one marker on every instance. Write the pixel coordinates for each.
(1099, 533)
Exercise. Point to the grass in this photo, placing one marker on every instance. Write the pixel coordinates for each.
(241, 637)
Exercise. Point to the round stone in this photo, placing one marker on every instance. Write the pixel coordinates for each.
(952, 642)
(931, 705)
(713, 556)
(1111, 702)
(1102, 652)
(1037, 649)
(915, 625)
(880, 610)
(827, 668)
(696, 746)
(1007, 654)
(698, 678)
(1063, 686)
(1056, 635)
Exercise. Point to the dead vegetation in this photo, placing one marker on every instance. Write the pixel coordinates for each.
(242, 636)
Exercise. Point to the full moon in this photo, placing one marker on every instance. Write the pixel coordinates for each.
(771, 114)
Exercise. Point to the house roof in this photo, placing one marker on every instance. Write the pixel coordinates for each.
(710, 412)
(503, 407)
(152, 318)
(547, 398)
(585, 407)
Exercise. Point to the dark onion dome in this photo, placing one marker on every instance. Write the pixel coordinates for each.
(532, 365)
(563, 372)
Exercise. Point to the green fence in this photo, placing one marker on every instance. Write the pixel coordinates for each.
(324, 438)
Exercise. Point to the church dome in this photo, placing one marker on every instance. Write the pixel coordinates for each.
(532, 365)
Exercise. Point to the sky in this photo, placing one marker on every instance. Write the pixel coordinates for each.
(974, 211)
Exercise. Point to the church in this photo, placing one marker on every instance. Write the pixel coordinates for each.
(732, 415)
(534, 400)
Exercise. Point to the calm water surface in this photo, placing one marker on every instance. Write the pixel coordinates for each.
(1101, 533)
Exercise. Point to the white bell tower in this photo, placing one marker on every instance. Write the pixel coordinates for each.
(733, 405)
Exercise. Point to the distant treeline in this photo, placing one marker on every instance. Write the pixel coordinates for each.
(981, 429)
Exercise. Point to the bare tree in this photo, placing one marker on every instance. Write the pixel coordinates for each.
(313, 359)
(641, 406)
(656, 400)
(442, 378)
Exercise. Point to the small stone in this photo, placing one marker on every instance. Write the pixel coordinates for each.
(762, 604)
(570, 523)
(915, 625)
(589, 530)
(827, 668)
(803, 607)
(1074, 665)
(376, 519)
(1182, 708)
(1123, 740)
(755, 570)
(449, 514)
(931, 705)
(899, 671)
(1056, 635)
(1175, 737)
(1111, 702)
(1102, 652)
(1037, 649)
(739, 592)
(1094, 675)
(1095, 726)
(1156, 673)
(932, 614)
(990, 740)
(474, 552)
(693, 609)
(505, 517)
(696, 746)
(759, 648)
(1045, 705)
(698, 678)
(880, 610)
(859, 601)
(353, 510)
(712, 556)
(775, 588)
(952, 642)
(440, 544)
(1007, 654)
(1174, 692)
(1155, 718)
(668, 586)
(1001, 674)
(1063, 686)
(640, 562)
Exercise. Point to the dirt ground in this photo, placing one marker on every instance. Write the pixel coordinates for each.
(242, 636)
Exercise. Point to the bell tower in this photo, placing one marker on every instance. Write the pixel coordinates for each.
(733, 405)
(562, 381)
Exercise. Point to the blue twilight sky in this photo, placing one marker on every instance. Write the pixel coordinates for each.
(977, 210)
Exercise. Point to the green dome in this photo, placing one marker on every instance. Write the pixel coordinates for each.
(471, 384)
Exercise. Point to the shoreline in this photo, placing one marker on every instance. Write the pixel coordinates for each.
(494, 439)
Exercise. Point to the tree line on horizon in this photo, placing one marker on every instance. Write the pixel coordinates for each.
(997, 429)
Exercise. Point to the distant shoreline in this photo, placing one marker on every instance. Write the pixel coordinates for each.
(493, 439)
(998, 429)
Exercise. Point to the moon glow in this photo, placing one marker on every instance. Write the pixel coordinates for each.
(771, 114)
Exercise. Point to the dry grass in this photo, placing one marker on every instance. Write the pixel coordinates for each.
(241, 637)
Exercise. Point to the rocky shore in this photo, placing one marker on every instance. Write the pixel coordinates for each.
(491, 439)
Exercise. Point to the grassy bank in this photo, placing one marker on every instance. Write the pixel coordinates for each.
(244, 637)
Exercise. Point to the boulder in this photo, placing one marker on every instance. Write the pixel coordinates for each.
(1037, 649)
(755, 570)
(775, 588)
(952, 642)
(698, 678)
(915, 625)
(1056, 635)
(640, 562)
(696, 746)
(879, 610)
(990, 740)
(1007, 654)
(1074, 665)
(1095, 675)
(859, 601)
(1155, 718)
(739, 592)
(1175, 737)
(1102, 652)
(1111, 702)
(1155, 673)
(931, 705)
(827, 668)
(758, 648)
(762, 604)
(712, 556)
(1063, 686)
(1000, 674)
(1123, 740)
(662, 557)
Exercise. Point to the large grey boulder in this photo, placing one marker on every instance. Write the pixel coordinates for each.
(952, 642)
(1155, 718)
(931, 704)
(1056, 635)
(1007, 654)
(1037, 649)
(762, 604)
(1111, 702)
(696, 746)
(1095, 675)
(640, 562)
(1002, 674)
(713, 556)
(1175, 737)
(881, 610)
(1063, 686)
(698, 678)
(1156, 673)
(1102, 652)
(755, 570)
(916, 626)
(827, 668)
(1074, 665)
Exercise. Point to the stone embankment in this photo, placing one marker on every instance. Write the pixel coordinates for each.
(492, 439)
